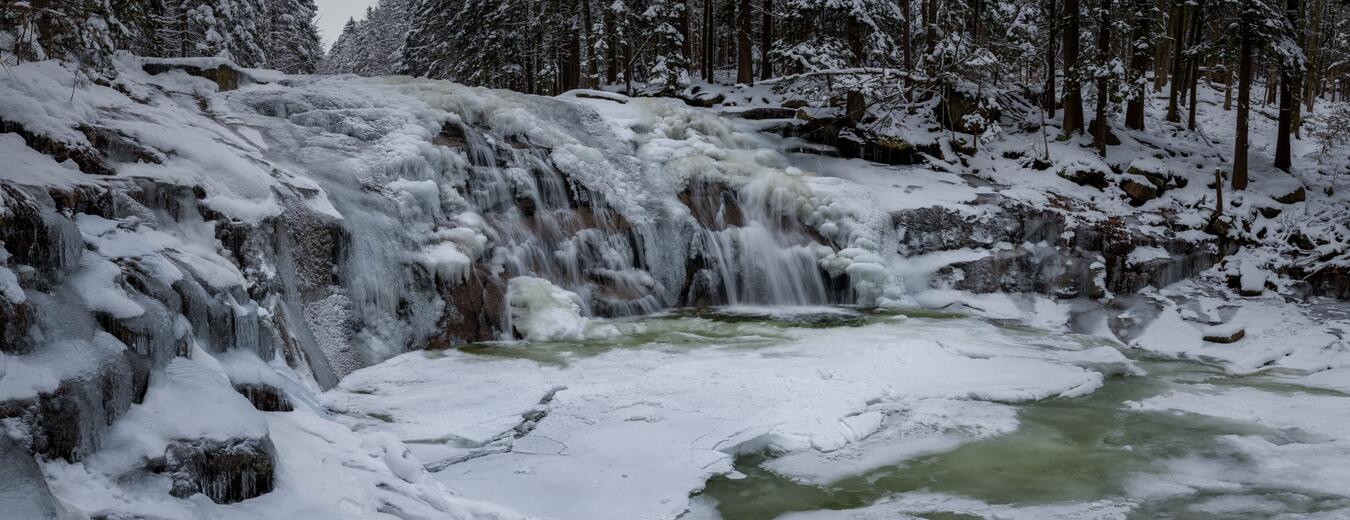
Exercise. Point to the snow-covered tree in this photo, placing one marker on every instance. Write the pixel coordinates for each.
(292, 43)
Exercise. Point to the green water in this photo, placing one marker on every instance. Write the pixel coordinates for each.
(1065, 451)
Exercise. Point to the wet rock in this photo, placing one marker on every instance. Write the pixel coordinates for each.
(35, 234)
(451, 135)
(69, 422)
(24, 494)
(15, 321)
(713, 204)
(476, 311)
(225, 471)
(265, 397)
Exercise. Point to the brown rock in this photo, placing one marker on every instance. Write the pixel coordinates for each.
(1139, 192)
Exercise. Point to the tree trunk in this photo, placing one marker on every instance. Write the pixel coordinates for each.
(1103, 56)
(1271, 74)
(1134, 110)
(930, 25)
(745, 59)
(1193, 75)
(907, 40)
(1289, 85)
(686, 34)
(611, 49)
(1073, 97)
(1178, 45)
(1227, 88)
(709, 40)
(592, 65)
(628, 67)
(1048, 100)
(1312, 43)
(1244, 102)
(1160, 65)
(766, 41)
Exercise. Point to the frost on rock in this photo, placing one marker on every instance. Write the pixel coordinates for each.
(541, 311)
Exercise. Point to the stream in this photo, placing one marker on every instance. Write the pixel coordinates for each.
(1165, 438)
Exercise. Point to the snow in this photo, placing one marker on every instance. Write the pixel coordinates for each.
(541, 311)
(1146, 254)
(1252, 278)
(97, 285)
(919, 505)
(1224, 330)
(9, 282)
(645, 442)
(1296, 433)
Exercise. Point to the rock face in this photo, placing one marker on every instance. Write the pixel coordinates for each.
(226, 76)
(1045, 251)
(225, 471)
(24, 494)
(266, 398)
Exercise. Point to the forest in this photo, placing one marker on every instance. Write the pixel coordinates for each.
(674, 259)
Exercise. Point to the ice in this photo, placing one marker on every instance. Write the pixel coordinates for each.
(9, 282)
(645, 442)
(922, 504)
(1299, 429)
(541, 311)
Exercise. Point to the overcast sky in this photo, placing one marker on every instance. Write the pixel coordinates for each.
(333, 14)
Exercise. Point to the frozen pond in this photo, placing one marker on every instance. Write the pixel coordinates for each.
(821, 413)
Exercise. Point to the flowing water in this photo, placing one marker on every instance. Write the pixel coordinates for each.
(1103, 448)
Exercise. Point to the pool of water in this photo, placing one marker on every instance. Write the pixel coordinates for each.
(1080, 450)
(1104, 448)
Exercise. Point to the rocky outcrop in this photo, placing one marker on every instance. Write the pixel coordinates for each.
(226, 76)
(1049, 251)
(225, 471)
(264, 397)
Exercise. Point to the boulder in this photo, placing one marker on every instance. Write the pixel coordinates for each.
(265, 397)
(1224, 333)
(1139, 192)
(1094, 178)
(1298, 195)
(227, 76)
(226, 471)
(24, 494)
